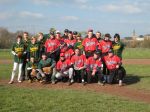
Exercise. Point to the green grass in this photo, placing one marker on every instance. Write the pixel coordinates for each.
(129, 53)
(5, 54)
(138, 76)
(44, 100)
(136, 53)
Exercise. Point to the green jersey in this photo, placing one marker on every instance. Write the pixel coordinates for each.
(16, 49)
(46, 63)
(78, 45)
(33, 65)
(118, 48)
(33, 50)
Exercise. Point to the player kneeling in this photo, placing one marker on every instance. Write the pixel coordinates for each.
(64, 69)
(115, 71)
(79, 63)
(46, 68)
(32, 71)
(94, 68)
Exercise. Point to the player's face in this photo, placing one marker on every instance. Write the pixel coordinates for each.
(106, 38)
(52, 36)
(19, 40)
(95, 56)
(90, 34)
(110, 54)
(44, 57)
(32, 60)
(33, 40)
(57, 35)
(70, 36)
(98, 35)
(77, 52)
(62, 58)
(40, 37)
(25, 35)
(78, 38)
(116, 39)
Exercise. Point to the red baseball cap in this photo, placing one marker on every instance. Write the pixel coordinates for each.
(62, 55)
(90, 30)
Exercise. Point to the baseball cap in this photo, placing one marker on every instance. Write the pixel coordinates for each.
(66, 30)
(57, 32)
(90, 30)
(62, 55)
(75, 33)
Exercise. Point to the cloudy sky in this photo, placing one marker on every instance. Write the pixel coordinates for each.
(113, 16)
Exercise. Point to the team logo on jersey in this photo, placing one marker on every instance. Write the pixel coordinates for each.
(111, 62)
(51, 44)
(89, 43)
(33, 49)
(106, 47)
(19, 49)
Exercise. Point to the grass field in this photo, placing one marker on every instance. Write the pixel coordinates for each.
(14, 99)
(129, 53)
(43, 100)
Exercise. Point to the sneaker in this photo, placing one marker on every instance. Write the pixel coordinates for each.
(100, 83)
(19, 81)
(30, 81)
(53, 82)
(83, 82)
(120, 83)
(10, 82)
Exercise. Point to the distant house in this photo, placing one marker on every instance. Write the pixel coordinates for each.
(147, 36)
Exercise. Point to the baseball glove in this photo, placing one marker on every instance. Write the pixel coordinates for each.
(47, 70)
(33, 73)
(19, 54)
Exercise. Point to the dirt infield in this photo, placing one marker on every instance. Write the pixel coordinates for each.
(124, 91)
(125, 61)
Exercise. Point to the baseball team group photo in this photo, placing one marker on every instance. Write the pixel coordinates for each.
(74, 56)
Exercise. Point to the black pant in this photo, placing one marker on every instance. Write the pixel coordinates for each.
(79, 75)
(89, 54)
(23, 75)
(29, 74)
(116, 75)
(52, 56)
(98, 75)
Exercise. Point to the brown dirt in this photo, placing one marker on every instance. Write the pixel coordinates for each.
(125, 61)
(136, 61)
(124, 91)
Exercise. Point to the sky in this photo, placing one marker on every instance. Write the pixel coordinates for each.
(106, 16)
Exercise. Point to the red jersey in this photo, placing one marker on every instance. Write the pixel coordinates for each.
(105, 46)
(93, 64)
(62, 65)
(111, 62)
(68, 52)
(70, 42)
(51, 45)
(90, 44)
(78, 61)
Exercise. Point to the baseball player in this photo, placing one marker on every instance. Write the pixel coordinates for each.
(89, 44)
(94, 68)
(52, 46)
(46, 67)
(18, 50)
(26, 42)
(70, 41)
(32, 66)
(79, 64)
(33, 50)
(65, 36)
(118, 46)
(67, 51)
(98, 36)
(113, 63)
(105, 45)
(64, 69)
(75, 35)
(78, 44)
